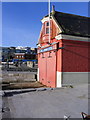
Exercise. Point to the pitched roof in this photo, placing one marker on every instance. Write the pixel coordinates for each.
(72, 24)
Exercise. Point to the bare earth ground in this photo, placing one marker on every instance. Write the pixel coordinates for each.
(48, 104)
(22, 85)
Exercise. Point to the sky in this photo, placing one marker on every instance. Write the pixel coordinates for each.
(21, 23)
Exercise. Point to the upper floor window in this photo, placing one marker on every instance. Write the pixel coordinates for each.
(47, 30)
(47, 27)
(47, 24)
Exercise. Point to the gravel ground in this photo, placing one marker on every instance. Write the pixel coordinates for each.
(48, 104)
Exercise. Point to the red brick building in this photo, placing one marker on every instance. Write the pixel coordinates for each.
(25, 53)
(63, 59)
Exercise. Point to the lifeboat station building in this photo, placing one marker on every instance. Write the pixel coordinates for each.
(63, 55)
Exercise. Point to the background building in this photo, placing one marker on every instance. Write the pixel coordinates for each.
(25, 53)
(7, 53)
(18, 53)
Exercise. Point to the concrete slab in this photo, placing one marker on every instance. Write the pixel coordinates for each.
(55, 103)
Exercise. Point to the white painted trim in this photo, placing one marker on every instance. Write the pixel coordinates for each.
(59, 79)
(38, 75)
(45, 46)
(59, 37)
(60, 29)
(49, 45)
(45, 19)
(40, 33)
(70, 37)
(38, 45)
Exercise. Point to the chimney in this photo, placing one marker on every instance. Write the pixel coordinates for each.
(53, 9)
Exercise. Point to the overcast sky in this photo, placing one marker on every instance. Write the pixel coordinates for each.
(21, 20)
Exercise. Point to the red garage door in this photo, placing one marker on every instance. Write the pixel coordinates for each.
(51, 69)
(42, 68)
(48, 68)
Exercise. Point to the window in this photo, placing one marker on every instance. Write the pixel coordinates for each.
(43, 55)
(50, 55)
(47, 24)
(47, 30)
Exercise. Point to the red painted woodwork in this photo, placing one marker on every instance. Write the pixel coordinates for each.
(47, 68)
(59, 56)
(44, 38)
(75, 56)
(42, 73)
(51, 69)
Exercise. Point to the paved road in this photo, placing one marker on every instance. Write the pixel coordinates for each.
(0, 106)
(49, 104)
